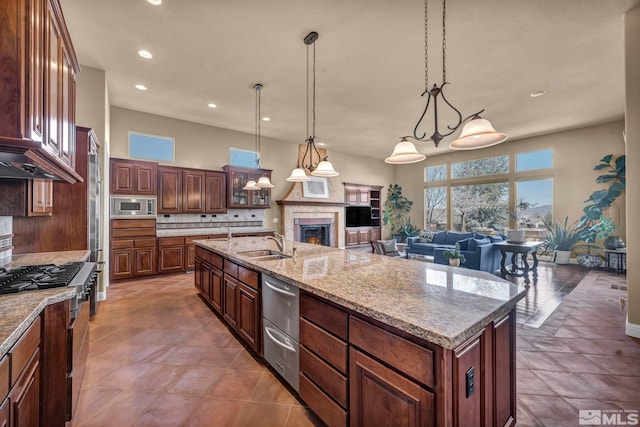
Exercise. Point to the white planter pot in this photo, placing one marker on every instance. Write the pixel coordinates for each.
(562, 257)
(454, 262)
(516, 236)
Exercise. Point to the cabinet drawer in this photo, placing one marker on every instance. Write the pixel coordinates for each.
(210, 257)
(407, 357)
(23, 350)
(330, 318)
(328, 379)
(122, 244)
(4, 378)
(76, 336)
(145, 243)
(231, 268)
(328, 410)
(325, 345)
(133, 223)
(133, 232)
(170, 241)
(249, 277)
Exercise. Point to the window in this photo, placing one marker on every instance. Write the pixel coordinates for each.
(534, 160)
(151, 147)
(244, 158)
(435, 208)
(480, 167)
(481, 207)
(534, 204)
(436, 173)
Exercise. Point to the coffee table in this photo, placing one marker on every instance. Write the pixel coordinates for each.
(522, 250)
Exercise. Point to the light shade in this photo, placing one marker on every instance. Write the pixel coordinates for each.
(264, 182)
(404, 153)
(324, 168)
(478, 133)
(251, 186)
(298, 175)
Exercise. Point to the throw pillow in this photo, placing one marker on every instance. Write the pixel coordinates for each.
(422, 240)
(389, 246)
(464, 244)
(474, 243)
(426, 236)
(440, 237)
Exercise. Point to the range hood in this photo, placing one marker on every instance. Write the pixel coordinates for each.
(30, 164)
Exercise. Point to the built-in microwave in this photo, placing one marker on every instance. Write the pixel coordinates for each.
(133, 206)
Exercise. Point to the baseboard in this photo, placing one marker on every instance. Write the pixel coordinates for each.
(102, 296)
(632, 329)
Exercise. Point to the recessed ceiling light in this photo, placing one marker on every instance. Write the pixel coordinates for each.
(538, 93)
(145, 54)
(155, 2)
(212, 105)
(141, 87)
(266, 119)
(321, 144)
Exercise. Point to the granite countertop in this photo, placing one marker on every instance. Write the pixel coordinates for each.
(441, 304)
(18, 310)
(222, 231)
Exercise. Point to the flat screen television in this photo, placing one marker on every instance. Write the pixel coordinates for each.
(358, 216)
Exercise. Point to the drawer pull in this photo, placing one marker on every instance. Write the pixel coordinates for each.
(281, 291)
(270, 333)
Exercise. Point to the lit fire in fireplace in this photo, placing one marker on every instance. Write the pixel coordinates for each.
(314, 240)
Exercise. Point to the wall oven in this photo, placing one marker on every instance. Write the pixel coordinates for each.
(133, 207)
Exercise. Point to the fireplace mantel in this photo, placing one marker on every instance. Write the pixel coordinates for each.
(306, 203)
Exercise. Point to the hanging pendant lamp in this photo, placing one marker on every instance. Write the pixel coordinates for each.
(477, 133)
(263, 181)
(323, 167)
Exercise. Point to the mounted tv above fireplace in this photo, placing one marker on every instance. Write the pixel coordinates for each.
(358, 216)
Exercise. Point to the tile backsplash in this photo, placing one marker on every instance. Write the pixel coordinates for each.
(232, 215)
(6, 239)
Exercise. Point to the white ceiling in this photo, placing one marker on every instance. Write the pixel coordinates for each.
(370, 63)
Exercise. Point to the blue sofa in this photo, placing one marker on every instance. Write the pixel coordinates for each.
(479, 250)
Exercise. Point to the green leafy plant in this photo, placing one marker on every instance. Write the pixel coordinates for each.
(562, 236)
(454, 253)
(395, 210)
(409, 230)
(604, 198)
(598, 230)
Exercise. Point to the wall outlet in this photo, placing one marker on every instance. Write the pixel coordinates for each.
(275, 220)
(470, 380)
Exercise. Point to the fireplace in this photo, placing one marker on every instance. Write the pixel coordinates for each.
(318, 231)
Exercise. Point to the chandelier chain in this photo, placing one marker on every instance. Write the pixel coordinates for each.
(444, 41)
(313, 131)
(426, 47)
(307, 90)
(258, 89)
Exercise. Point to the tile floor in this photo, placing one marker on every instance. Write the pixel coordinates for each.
(158, 357)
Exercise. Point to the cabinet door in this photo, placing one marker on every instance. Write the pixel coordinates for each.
(40, 196)
(193, 183)
(215, 193)
(504, 370)
(170, 259)
(197, 274)
(206, 281)
(217, 289)
(67, 109)
(145, 179)
(53, 81)
(4, 413)
(169, 190)
(238, 198)
(35, 84)
(25, 396)
(375, 234)
(229, 306)
(145, 261)
(364, 235)
(248, 317)
(351, 195)
(189, 256)
(261, 198)
(352, 237)
(121, 263)
(122, 177)
(380, 396)
(363, 196)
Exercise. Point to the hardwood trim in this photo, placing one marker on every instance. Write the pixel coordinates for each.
(300, 202)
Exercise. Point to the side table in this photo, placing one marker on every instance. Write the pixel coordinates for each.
(523, 250)
(621, 259)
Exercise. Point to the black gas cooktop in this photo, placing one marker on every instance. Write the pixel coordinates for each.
(34, 277)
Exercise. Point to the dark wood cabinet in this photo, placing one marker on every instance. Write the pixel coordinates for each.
(26, 197)
(193, 184)
(145, 259)
(215, 192)
(121, 261)
(217, 289)
(229, 307)
(133, 250)
(4, 413)
(248, 314)
(169, 189)
(237, 178)
(170, 254)
(381, 396)
(24, 400)
(133, 177)
(39, 69)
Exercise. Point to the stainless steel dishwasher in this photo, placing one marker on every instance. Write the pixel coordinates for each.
(280, 309)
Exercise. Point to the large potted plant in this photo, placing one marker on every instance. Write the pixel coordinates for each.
(561, 239)
(395, 210)
(599, 230)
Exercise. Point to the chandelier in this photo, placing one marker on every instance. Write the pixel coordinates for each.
(477, 133)
(321, 167)
(263, 181)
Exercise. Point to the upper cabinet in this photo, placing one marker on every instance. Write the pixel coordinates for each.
(133, 177)
(182, 190)
(37, 86)
(237, 178)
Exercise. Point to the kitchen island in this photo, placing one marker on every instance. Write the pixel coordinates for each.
(382, 340)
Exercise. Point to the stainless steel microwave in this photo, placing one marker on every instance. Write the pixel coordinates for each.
(133, 207)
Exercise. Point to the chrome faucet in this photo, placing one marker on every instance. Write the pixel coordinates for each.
(229, 233)
(279, 239)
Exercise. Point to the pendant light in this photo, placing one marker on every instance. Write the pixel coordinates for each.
(323, 167)
(263, 181)
(477, 133)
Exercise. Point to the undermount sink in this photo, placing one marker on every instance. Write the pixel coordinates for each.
(264, 255)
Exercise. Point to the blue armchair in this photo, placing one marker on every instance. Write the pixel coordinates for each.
(480, 254)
